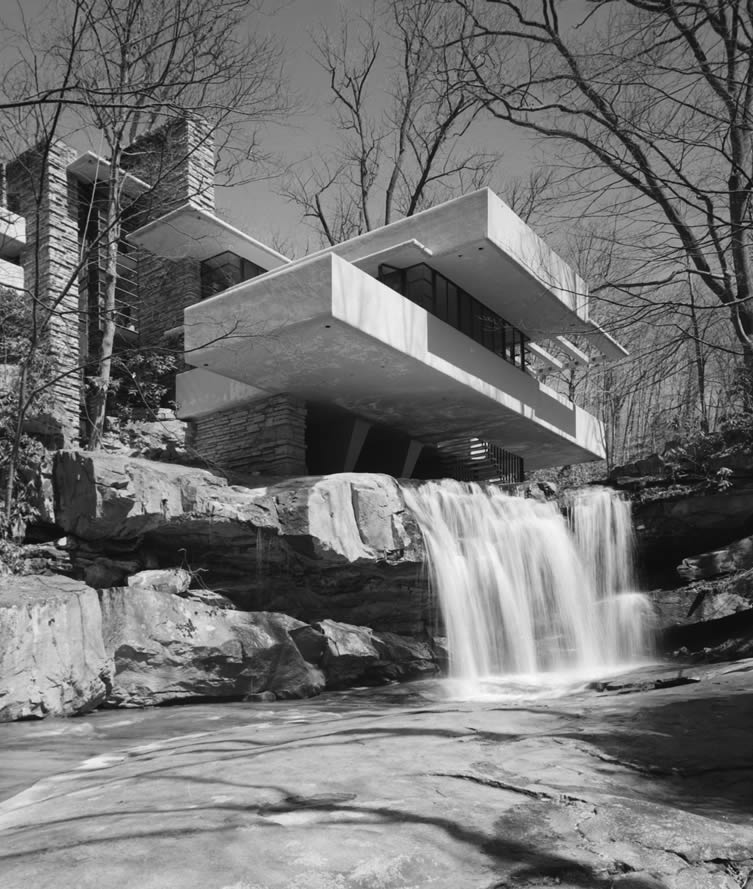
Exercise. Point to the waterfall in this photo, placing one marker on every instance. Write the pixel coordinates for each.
(524, 591)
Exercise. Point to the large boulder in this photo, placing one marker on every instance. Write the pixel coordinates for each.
(350, 652)
(341, 546)
(405, 658)
(167, 648)
(52, 657)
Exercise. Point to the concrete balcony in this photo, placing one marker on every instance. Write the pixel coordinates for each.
(328, 332)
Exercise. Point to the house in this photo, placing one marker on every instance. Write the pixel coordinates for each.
(419, 349)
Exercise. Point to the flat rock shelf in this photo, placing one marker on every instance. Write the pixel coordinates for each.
(392, 788)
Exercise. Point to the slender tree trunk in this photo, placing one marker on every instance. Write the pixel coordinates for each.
(700, 364)
(12, 467)
(101, 382)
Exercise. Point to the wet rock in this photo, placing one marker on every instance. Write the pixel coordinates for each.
(402, 657)
(167, 648)
(342, 545)
(52, 657)
(728, 638)
(631, 684)
(677, 525)
(312, 643)
(703, 600)
(735, 557)
(209, 597)
(166, 580)
(35, 558)
(262, 697)
(103, 573)
(350, 652)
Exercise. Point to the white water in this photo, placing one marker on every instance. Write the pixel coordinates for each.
(521, 592)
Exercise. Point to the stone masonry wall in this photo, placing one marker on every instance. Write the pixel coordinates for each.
(165, 289)
(48, 199)
(178, 161)
(266, 436)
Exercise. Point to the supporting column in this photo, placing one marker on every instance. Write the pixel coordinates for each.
(411, 458)
(358, 433)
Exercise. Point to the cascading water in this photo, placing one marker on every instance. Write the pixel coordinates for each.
(521, 591)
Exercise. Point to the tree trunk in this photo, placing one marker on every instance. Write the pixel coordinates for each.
(101, 380)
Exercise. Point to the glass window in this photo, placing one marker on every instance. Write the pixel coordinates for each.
(440, 296)
(465, 313)
(478, 321)
(420, 286)
(453, 316)
(226, 270)
(393, 279)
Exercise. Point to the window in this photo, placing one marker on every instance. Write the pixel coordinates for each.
(226, 270)
(438, 295)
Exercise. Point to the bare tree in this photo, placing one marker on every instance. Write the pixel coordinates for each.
(400, 117)
(140, 63)
(650, 104)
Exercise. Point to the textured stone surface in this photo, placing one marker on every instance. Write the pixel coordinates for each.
(349, 653)
(704, 599)
(267, 436)
(52, 658)
(405, 658)
(402, 788)
(166, 580)
(672, 526)
(339, 546)
(167, 648)
(735, 557)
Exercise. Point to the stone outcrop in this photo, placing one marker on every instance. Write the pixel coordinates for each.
(52, 659)
(341, 547)
(704, 600)
(678, 524)
(168, 580)
(349, 652)
(735, 557)
(167, 648)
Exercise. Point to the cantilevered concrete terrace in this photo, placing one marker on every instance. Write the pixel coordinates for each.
(327, 331)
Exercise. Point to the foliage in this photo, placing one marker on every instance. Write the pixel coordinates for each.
(21, 453)
(143, 382)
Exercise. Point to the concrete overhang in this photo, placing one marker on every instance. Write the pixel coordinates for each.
(90, 167)
(401, 256)
(478, 242)
(12, 233)
(573, 353)
(191, 232)
(604, 342)
(548, 362)
(326, 332)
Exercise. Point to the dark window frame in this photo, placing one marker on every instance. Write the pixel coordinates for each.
(458, 308)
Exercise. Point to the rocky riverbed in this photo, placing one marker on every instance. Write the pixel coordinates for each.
(647, 784)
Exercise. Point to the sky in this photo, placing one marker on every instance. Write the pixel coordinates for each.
(256, 207)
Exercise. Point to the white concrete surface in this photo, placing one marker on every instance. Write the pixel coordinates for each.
(191, 232)
(11, 275)
(325, 331)
(12, 232)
